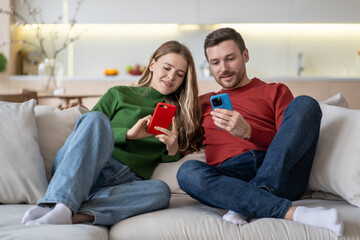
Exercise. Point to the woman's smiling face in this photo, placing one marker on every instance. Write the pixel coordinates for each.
(168, 73)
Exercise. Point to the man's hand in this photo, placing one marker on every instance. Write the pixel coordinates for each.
(231, 121)
(169, 138)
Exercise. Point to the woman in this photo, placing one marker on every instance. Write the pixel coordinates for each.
(101, 173)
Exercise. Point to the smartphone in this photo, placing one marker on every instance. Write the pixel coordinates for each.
(162, 117)
(221, 101)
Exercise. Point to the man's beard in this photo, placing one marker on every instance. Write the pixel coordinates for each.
(231, 84)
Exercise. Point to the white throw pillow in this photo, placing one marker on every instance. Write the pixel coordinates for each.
(337, 100)
(22, 172)
(54, 126)
(336, 166)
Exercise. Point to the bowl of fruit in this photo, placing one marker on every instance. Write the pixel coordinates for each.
(135, 69)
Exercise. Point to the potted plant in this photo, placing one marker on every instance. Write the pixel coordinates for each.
(3, 62)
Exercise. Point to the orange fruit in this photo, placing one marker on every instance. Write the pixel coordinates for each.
(111, 72)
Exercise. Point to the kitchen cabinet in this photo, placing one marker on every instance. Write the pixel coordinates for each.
(91, 11)
(51, 10)
(201, 11)
(245, 11)
(137, 11)
(279, 11)
(325, 11)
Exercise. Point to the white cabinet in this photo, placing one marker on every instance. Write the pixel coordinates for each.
(154, 11)
(325, 11)
(91, 11)
(279, 11)
(201, 11)
(244, 11)
(137, 11)
(50, 10)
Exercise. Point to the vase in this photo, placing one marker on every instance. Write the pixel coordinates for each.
(51, 74)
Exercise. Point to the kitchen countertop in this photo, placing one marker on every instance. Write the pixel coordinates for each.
(200, 78)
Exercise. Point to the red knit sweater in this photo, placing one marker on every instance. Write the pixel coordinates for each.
(262, 106)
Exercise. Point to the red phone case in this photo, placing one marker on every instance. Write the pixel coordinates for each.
(162, 117)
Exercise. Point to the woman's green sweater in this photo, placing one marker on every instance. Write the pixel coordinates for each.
(124, 106)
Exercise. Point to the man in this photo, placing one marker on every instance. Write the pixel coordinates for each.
(259, 155)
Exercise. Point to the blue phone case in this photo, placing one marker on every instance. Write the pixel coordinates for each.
(221, 101)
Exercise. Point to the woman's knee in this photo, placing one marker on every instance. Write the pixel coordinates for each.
(94, 117)
(96, 121)
(162, 192)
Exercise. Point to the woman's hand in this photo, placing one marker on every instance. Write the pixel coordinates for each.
(169, 138)
(138, 131)
(72, 104)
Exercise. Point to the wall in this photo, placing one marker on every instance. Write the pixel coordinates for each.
(117, 33)
(328, 50)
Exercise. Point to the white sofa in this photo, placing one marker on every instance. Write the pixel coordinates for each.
(31, 138)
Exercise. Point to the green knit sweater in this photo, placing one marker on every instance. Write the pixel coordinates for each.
(124, 106)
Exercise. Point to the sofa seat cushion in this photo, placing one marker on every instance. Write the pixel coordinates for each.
(12, 228)
(189, 219)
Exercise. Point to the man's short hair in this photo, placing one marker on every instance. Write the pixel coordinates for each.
(223, 34)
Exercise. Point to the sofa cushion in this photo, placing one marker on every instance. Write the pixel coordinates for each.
(166, 172)
(187, 218)
(22, 172)
(11, 227)
(54, 126)
(336, 166)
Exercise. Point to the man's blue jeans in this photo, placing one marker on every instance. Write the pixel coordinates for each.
(257, 183)
(88, 180)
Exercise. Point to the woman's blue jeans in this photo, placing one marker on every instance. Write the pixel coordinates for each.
(88, 180)
(257, 183)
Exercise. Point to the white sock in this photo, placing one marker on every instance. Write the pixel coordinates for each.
(320, 217)
(60, 214)
(34, 213)
(235, 218)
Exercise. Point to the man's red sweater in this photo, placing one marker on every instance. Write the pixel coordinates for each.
(262, 106)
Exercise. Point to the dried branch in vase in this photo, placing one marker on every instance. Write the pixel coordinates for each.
(51, 36)
(48, 39)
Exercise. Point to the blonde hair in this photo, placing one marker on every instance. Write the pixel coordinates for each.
(185, 98)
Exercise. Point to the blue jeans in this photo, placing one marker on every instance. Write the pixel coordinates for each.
(257, 183)
(88, 180)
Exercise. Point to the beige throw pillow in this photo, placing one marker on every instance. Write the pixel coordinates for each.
(54, 126)
(22, 172)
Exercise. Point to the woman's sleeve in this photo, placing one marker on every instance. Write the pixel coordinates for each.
(167, 158)
(108, 103)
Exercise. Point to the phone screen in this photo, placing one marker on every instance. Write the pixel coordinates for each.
(162, 117)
